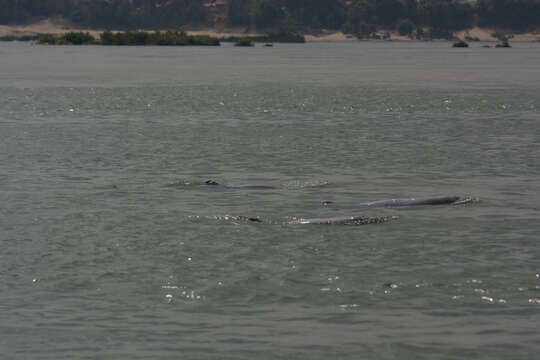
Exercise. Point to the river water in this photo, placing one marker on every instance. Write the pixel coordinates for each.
(113, 248)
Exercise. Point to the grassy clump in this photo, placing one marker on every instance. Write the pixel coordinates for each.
(460, 44)
(498, 35)
(69, 38)
(503, 44)
(244, 42)
(8, 38)
(78, 38)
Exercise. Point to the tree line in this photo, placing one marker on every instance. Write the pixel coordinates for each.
(359, 17)
(113, 14)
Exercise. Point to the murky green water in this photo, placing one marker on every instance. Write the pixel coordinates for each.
(102, 258)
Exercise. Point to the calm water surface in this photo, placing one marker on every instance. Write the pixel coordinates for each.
(112, 248)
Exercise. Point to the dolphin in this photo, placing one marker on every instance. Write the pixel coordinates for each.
(434, 200)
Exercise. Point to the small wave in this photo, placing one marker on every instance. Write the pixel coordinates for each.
(306, 184)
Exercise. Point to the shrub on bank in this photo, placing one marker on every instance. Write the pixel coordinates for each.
(78, 38)
(167, 38)
(70, 38)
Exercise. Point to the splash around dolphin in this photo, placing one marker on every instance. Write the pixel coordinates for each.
(335, 220)
(342, 220)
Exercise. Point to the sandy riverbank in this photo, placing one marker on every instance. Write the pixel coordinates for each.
(47, 26)
(484, 34)
(60, 26)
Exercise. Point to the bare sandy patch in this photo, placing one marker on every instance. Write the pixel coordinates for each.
(54, 26)
(329, 36)
(222, 32)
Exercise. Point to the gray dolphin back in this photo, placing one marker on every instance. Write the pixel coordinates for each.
(436, 200)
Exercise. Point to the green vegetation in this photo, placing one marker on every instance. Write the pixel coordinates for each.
(460, 44)
(167, 38)
(511, 14)
(70, 38)
(365, 17)
(498, 35)
(244, 42)
(171, 38)
(78, 38)
(362, 18)
(113, 14)
(503, 44)
(471, 38)
(503, 40)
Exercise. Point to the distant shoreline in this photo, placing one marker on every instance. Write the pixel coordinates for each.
(56, 27)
